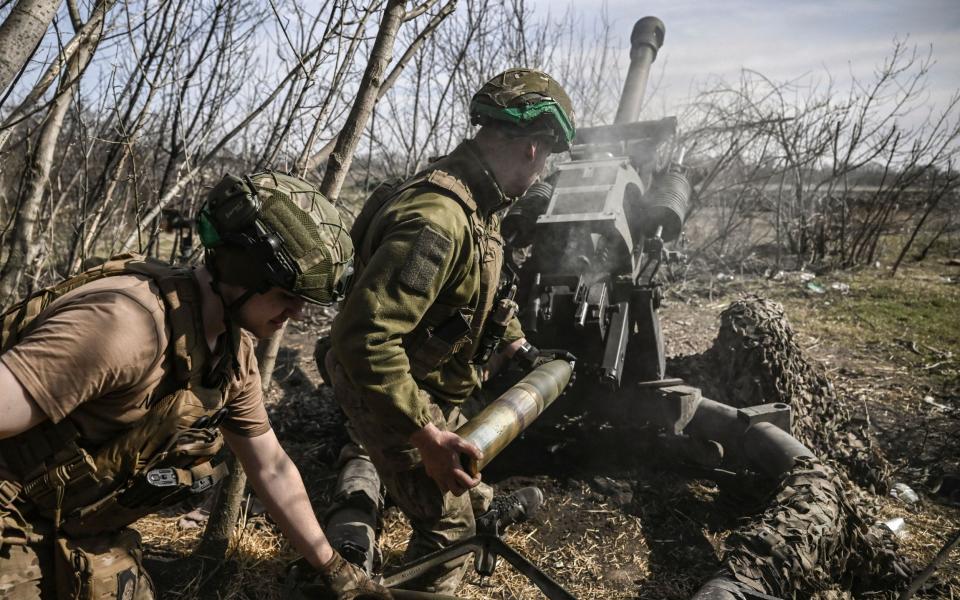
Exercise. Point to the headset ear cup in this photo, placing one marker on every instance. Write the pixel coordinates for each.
(278, 268)
(232, 205)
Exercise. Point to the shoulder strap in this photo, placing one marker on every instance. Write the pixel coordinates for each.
(391, 189)
(179, 297)
(384, 192)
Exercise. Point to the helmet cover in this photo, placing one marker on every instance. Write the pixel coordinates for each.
(530, 100)
(271, 229)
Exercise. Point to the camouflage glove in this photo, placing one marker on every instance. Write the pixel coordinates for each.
(335, 580)
(349, 582)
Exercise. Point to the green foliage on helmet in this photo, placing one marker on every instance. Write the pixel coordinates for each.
(271, 229)
(529, 100)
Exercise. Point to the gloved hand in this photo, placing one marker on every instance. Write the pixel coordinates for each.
(531, 357)
(548, 354)
(341, 580)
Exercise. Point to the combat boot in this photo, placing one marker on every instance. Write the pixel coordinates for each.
(509, 510)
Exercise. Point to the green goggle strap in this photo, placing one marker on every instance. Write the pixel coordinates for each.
(529, 113)
(209, 236)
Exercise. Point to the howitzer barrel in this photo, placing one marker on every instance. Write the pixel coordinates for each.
(503, 420)
(645, 41)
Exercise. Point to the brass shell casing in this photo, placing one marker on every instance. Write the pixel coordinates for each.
(502, 421)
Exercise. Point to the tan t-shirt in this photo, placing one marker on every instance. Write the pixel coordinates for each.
(98, 352)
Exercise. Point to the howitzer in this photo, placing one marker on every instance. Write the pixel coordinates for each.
(606, 214)
(587, 245)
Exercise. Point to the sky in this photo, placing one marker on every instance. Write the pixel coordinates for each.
(783, 39)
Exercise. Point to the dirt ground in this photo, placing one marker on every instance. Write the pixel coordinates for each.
(619, 521)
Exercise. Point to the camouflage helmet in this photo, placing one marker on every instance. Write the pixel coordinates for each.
(270, 229)
(528, 99)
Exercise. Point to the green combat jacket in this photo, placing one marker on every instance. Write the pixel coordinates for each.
(428, 261)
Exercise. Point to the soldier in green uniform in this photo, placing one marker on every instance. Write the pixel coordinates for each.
(119, 386)
(429, 256)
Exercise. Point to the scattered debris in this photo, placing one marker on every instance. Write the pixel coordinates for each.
(929, 399)
(904, 493)
(801, 276)
(841, 287)
(897, 526)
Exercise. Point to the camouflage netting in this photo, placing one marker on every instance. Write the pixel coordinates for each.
(757, 360)
(814, 541)
(819, 536)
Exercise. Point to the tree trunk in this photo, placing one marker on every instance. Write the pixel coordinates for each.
(224, 514)
(23, 249)
(267, 351)
(933, 200)
(349, 137)
(324, 153)
(20, 33)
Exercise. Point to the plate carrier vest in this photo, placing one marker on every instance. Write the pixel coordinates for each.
(160, 460)
(425, 350)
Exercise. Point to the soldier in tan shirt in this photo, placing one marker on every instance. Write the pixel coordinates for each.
(117, 388)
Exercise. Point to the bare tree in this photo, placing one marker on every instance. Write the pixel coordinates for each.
(832, 172)
(377, 64)
(22, 251)
(20, 34)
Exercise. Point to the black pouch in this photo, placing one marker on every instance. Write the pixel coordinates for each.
(439, 344)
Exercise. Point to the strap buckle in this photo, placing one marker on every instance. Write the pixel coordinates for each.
(201, 485)
(9, 492)
(165, 477)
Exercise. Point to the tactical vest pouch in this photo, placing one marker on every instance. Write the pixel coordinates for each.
(431, 347)
(102, 568)
(157, 463)
(184, 469)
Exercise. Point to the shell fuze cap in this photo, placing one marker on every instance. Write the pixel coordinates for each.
(271, 229)
(530, 100)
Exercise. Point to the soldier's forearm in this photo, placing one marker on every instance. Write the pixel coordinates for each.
(279, 486)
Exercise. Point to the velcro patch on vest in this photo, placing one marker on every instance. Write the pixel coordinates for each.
(428, 255)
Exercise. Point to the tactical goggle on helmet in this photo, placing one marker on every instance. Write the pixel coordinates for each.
(270, 229)
(529, 99)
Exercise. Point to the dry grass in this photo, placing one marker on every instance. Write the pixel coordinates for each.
(928, 527)
(256, 560)
(597, 562)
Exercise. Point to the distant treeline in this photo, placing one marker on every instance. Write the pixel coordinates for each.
(124, 110)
